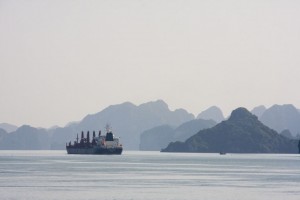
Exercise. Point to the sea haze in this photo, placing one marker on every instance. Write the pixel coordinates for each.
(27, 175)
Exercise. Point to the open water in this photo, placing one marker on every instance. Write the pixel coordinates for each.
(138, 175)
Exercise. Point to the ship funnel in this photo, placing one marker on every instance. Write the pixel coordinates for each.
(88, 137)
(94, 135)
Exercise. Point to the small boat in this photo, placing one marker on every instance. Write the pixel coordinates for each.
(222, 153)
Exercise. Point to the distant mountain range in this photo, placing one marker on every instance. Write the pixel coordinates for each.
(241, 133)
(159, 137)
(130, 122)
(26, 138)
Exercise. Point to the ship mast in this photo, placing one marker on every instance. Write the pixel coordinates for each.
(108, 128)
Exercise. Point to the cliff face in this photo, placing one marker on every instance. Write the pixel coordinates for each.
(241, 133)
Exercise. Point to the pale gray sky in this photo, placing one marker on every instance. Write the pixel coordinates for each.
(63, 59)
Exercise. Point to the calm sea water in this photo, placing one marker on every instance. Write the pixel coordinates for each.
(148, 175)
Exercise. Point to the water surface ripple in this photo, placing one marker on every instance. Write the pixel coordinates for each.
(45, 175)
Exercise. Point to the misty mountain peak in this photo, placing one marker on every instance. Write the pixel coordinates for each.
(181, 111)
(241, 114)
(213, 113)
(283, 111)
(259, 110)
(286, 107)
(25, 128)
(159, 104)
(8, 127)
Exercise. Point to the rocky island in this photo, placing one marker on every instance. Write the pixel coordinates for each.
(241, 133)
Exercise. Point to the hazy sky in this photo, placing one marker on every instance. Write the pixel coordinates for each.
(63, 59)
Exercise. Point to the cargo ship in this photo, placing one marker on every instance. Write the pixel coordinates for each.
(101, 144)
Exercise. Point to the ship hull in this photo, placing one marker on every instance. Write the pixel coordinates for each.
(94, 150)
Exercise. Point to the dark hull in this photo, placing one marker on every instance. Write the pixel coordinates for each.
(94, 150)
